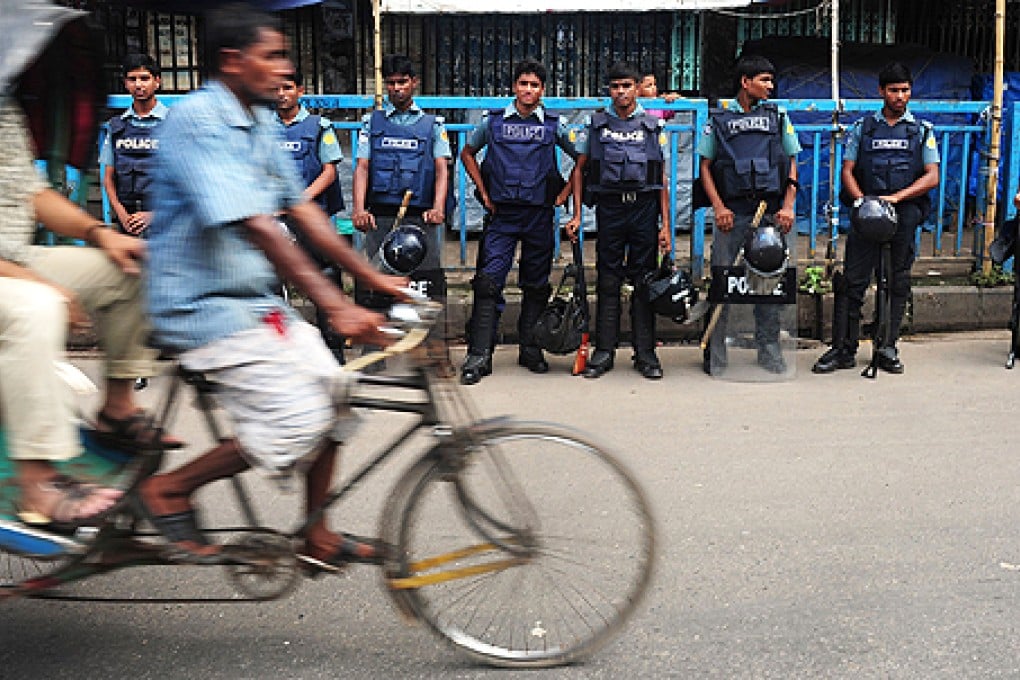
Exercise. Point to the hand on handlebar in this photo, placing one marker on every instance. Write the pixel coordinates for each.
(361, 325)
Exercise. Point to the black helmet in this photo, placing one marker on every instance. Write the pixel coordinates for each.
(765, 250)
(765, 257)
(402, 251)
(874, 218)
(671, 292)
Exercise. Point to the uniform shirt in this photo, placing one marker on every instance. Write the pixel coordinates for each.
(329, 148)
(19, 181)
(440, 139)
(930, 149)
(217, 165)
(480, 134)
(581, 143)
(151, 119)
(791, 145)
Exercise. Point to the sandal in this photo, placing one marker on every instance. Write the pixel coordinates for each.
(137, 431)
(71, 507)
(179, 528)
(352, 549)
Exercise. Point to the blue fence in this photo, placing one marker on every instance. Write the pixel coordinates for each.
(962, 129)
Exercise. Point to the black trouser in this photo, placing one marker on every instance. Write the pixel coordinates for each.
(861, 260)
(627, 249)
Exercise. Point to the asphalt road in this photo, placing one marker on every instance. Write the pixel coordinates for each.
(829, 526)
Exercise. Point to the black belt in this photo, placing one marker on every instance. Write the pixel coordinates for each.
(392, 210)
(626, 197)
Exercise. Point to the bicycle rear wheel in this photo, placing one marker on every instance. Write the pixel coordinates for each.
(534, 554)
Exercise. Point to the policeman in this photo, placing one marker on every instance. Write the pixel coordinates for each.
(401, 148)
(518, 183)
(894, 156)
(312, 143)
(622, 154)
(748, 154)
(130, 144)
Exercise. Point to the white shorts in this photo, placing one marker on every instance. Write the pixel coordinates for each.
(285, 393)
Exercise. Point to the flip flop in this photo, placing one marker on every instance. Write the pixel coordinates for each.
(134, 433)
(352, 550)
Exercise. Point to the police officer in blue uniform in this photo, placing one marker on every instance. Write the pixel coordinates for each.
(401, 148)
(518, 183)
(313, 144)
(130, 144)
(622, 154)
(748, 154)
(892, 155)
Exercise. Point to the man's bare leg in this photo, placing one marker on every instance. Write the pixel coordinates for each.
(170, 493)
(321, 543)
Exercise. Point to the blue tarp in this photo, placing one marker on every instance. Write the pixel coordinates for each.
(983, 89)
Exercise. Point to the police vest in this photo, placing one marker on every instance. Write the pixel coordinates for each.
(402, 159)
(133, 150)
(750, 162)
(521, 160)
(890, 158)
(624, 154)
(302, 140)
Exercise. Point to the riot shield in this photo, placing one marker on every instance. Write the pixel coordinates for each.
(755, 336)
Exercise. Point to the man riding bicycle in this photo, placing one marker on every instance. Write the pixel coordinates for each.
(221, 176)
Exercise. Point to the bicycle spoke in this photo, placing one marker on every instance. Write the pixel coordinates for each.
(570, 589)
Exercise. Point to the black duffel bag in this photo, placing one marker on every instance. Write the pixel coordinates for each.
(565, 318)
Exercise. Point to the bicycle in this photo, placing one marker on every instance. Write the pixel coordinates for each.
(521, 544)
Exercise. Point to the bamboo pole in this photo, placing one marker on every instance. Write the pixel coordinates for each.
(834, 137)
(993, 152)
(377, 51)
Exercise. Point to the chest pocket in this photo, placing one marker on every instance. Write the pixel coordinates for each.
(397, 172)
(754, 175)
(624, 166)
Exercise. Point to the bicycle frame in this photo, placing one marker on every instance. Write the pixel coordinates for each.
(120, 549)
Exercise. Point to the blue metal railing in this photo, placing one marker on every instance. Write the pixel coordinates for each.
(961, 128)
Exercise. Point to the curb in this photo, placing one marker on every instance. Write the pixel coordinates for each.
(932, 309)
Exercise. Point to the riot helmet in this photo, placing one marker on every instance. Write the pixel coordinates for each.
(874, 218)
(765, 258)
(402, 250)
(671, 292)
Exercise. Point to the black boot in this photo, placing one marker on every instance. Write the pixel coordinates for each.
(642, 328)
(841, 355)
(607, 333)
(478, 362)
(533, 302)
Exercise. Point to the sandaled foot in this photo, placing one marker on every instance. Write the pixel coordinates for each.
(136, 432)
(63, 504)
(350, 549)
(180, 529)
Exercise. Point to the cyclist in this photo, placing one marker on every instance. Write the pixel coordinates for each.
(221, 176)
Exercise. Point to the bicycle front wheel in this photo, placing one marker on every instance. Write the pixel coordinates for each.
(534, 554)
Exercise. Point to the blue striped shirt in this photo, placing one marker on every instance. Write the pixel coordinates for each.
(217, 165)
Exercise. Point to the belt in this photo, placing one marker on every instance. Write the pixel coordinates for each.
(626, 197)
